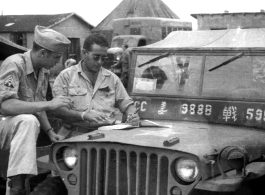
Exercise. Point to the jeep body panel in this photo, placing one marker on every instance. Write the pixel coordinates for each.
(195, 138)
(198, 139)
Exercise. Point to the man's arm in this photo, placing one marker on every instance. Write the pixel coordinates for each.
(46, 126)
(132, 116)
(125, 103)
(68, 115)
(76, 116)
(15, 106)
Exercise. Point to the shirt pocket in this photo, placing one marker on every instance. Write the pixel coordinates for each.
(79, 97)
(106, 95)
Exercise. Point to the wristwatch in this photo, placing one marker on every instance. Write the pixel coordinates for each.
(50, 129)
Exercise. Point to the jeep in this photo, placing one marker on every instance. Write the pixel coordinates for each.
(201, 99)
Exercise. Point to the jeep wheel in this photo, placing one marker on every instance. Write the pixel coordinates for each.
(50, 186)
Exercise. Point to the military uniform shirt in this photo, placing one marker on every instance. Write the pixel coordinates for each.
(18, 80)
(107, 93)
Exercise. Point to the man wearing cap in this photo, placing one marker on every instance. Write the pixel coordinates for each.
(23, 87)
(96, 92)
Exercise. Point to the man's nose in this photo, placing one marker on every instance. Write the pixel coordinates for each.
(100, 60)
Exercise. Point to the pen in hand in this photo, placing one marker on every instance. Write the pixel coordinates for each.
(67, 90)
(136, 111)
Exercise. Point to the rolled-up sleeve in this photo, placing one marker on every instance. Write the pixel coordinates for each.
(9, 80)
(123, 100)
(60, 86)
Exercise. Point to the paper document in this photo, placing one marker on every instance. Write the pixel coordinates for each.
(117, 127)
(148, 123)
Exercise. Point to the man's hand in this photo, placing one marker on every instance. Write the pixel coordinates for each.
(61, 101)
(97, 117)
(54, 137)
(133, 118)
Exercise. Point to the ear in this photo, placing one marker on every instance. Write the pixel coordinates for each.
(42, 53)
(84, 51)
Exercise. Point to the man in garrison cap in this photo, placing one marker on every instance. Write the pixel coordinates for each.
(23, 104)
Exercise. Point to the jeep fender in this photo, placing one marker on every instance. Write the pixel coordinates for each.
(231, 183)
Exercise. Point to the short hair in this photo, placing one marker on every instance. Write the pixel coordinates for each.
(36, 47)
(95, 38)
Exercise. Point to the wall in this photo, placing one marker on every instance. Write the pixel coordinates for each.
(230, 21)
(73, 27)
(5, 35)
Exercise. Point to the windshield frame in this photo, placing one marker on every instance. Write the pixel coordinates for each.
(190, 52)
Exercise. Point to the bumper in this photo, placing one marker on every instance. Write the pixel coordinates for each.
(232, 182)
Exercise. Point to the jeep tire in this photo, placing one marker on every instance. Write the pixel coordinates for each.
(50, 186)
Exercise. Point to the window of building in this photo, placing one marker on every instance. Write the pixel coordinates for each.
(169, 29)
(19, 38)
(164, 32)
(74, 50)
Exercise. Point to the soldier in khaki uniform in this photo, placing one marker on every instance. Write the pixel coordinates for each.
(96, 92)
(23, 86)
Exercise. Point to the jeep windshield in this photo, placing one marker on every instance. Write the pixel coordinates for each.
(190, 75)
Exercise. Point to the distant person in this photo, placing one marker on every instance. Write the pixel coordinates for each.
(69, 62)
(124, 63)
(23, 87)
(95, 91)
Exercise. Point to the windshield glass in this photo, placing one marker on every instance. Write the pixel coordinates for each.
(241, 78)
(171, 74)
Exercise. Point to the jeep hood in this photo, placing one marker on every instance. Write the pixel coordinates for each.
(194, 138)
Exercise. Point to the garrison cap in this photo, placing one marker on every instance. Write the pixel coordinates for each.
(50, 39)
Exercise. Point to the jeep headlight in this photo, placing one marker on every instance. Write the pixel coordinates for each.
(70, 157)
(186, 169)
(118, 57)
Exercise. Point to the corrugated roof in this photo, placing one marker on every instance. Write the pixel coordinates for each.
(231, 38)
(195, 15)
(137, 8)
(27, 23)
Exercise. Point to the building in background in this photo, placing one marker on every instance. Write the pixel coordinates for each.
(20, 30)
(226, 20)
(131, 9)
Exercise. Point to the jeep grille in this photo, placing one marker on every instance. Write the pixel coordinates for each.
(114, 171)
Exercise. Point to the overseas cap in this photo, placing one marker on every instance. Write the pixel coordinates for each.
(50, 39)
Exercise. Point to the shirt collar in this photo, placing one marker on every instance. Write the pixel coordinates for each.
(102, 71)
(29, 64)
(28, 61)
